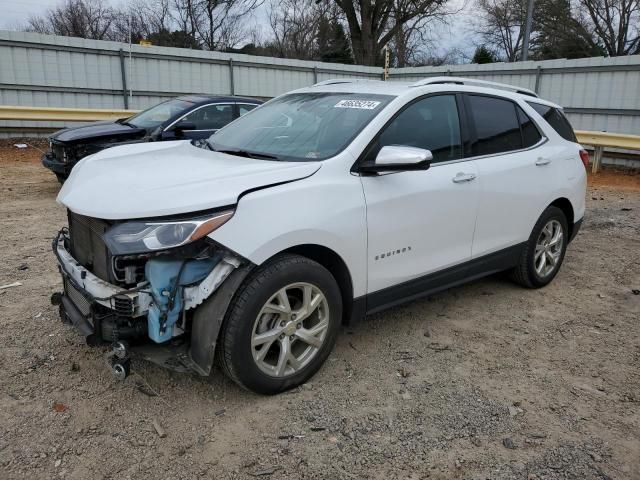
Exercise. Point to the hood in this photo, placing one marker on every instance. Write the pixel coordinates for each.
(167, 178)
(96, 132)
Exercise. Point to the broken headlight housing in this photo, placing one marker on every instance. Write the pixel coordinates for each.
(153, 235)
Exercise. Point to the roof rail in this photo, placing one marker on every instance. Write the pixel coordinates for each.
(473, 81)
(336, 81)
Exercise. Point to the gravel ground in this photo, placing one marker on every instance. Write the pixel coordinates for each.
(485, 381)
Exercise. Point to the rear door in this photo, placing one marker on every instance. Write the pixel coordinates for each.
(419, 222)
(515, 171)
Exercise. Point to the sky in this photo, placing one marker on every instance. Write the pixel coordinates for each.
(15, 13)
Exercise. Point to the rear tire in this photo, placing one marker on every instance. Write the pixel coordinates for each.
(543, 255)
(281, 325)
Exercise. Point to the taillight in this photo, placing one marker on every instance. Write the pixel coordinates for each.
(584, 156)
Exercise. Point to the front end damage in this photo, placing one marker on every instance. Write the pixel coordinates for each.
(166, 305)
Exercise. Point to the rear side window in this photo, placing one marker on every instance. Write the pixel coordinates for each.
(556, 119)
(497, 125)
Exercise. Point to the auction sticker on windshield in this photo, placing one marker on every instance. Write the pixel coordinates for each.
(362, 104)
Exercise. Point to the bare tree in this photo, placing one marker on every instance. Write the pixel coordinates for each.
(500, 24)
(614, 23)
(216, 23)
(294, 26)
(77, 18)
(374, 23)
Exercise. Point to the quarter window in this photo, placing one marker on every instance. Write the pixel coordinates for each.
(530, 133)
(431, 123)
(497, 125)
(211, 117)
(556, 119)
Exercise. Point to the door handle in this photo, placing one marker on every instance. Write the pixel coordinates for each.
(463, 177)
(543, 161)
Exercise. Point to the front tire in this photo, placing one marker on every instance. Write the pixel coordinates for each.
(544, 252)
(281, 325)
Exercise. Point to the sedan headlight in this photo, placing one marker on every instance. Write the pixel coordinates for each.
(148, 236)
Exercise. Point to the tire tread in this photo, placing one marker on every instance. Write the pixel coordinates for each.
(233, 318)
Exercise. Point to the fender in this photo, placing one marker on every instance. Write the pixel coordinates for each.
(208, 319)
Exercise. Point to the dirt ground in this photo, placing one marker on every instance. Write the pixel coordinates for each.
(485, 381)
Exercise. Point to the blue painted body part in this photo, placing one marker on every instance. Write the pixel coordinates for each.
(162, 274)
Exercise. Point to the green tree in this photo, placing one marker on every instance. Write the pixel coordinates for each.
(178, 38)
(333, 44)
(560, 34)
(484, 55)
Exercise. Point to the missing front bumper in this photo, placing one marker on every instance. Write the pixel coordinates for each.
(104, 313)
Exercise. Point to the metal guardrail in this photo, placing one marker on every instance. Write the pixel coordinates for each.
(62, 114)
(600, 140)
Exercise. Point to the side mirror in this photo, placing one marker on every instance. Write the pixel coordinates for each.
(183, 126)
(397, 158)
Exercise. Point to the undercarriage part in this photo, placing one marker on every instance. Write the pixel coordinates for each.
(121, 369)
(56, 298)
(208, 319)
(114, 328)
(119, 361)
(121, 349)
(171, 355)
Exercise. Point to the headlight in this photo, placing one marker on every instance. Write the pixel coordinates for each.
(140, 236)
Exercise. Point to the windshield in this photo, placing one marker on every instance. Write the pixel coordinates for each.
(154, 116)
(300, 126)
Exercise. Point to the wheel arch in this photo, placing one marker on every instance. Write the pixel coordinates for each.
(336, 265)
(565, 205)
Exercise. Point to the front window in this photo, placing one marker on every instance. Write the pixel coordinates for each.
(301, 126)
(211, 117)
(431, 123)
(154, 116)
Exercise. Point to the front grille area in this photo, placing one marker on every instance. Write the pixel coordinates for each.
(79, 300)
(58, 152)
(87, 246)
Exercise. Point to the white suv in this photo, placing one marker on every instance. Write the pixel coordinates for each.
(319, 207)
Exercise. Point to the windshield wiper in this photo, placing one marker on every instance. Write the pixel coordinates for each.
(247, 154)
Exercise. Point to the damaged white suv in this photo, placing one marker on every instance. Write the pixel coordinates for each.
(313, 210)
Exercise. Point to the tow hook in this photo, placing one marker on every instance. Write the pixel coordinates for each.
(119, 361)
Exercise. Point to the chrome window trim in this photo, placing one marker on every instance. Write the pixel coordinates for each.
(541, 142)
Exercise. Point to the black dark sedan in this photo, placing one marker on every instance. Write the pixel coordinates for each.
(182, 118)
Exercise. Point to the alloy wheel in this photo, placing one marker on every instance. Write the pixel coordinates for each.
(548, 248)
(290, 329)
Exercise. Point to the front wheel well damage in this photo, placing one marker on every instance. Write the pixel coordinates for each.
(336, 266)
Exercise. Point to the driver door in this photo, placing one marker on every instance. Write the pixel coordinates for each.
(420, 222)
